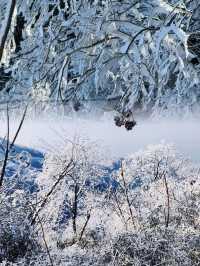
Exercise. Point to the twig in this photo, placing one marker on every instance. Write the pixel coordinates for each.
(168, 201)
(45, 242)
(7, 149)
(126, 195)
(65, 172)
(19, 128)
(137, 34)
(85, 225)
(74, 209)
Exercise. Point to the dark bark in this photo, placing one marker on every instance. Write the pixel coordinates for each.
(20, 22)
(8, 145)
(4, 77)
(7, 28)
(3, 170)
(193, 43)
(75, 206)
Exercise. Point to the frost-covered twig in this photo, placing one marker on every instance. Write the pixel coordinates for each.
(8, 145)
(168, 201)
(45, 241)
(125, 187)
(65, 172)
(7, 148)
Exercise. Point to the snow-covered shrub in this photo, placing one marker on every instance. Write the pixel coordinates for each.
(148, 216)
(157, 247)
(67, 199)
(17, 239)
(158, 186)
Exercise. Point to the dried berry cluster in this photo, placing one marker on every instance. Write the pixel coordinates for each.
(125, 120)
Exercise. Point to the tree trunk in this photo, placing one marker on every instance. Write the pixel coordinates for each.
(6, 26)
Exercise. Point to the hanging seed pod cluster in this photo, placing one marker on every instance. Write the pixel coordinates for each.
(125, 119)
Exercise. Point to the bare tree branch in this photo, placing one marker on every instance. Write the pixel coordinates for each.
(3, 38)
(3, 170)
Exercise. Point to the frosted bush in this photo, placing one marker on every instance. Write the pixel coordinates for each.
(148, 216)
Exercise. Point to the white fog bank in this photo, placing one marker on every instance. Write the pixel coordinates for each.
(45, 134)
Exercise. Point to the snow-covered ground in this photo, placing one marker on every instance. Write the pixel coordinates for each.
(46, 134)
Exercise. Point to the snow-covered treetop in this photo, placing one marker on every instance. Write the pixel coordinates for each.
(84, 51)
